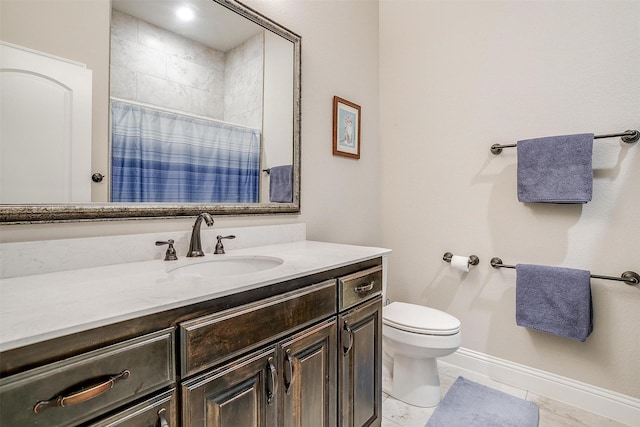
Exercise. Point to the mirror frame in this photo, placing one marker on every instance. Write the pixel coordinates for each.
(48, 213)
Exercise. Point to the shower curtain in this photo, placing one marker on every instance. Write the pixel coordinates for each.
(160, 156)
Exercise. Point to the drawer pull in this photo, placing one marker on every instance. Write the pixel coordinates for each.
(85, 393)
(364, 288)
(272, 379)
(162, 420)
(288, 372)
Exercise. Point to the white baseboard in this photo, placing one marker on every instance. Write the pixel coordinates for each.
(609, 404)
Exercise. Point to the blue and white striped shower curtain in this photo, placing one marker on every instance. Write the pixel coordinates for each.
(160, 156)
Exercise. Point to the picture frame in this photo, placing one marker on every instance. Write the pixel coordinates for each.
(346, 128)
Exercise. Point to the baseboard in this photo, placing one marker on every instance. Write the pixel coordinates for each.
(610, 404)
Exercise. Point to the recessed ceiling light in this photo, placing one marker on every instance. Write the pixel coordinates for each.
(185, 14)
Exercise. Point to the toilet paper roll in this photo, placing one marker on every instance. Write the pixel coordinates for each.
(460, 263)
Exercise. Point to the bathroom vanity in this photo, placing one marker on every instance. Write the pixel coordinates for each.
(297, 344)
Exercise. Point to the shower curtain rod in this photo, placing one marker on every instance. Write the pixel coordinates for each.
(629, 277)
(629, 136)
(178, 112)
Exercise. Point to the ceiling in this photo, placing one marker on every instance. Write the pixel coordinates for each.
(214, 25)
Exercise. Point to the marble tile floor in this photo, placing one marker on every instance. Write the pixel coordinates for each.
(552, 413)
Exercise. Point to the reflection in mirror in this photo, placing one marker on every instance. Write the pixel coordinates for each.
(50, 162)
(201, 111)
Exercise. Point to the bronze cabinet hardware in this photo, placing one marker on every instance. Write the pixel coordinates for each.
(348, 337)
(162, 419)
(272, 379)
(84, 394)
(288, 371)
(365, 288)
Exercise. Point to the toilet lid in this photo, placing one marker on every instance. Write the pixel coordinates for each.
(419, 319)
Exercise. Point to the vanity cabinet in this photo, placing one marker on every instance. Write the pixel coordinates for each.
(360, 360)
(303, 352)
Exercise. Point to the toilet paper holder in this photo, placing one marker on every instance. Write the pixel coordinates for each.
(473, 259)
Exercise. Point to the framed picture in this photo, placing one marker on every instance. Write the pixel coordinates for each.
(346, 128)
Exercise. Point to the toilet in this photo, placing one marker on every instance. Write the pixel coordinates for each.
(413, 337)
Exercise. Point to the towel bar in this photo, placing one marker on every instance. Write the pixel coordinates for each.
(629, 277)
(629, 137)
(268, 171)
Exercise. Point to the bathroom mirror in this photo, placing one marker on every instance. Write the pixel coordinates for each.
(276, 117)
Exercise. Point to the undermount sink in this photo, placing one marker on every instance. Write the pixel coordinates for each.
(226, 266)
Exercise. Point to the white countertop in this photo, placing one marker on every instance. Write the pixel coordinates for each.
(39, 307)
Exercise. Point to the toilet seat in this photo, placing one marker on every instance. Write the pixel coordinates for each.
(419, 319)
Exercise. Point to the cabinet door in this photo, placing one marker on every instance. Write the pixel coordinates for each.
(360, 365)
(240, 394)
(308, 365)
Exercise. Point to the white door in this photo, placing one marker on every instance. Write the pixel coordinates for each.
(45, 128)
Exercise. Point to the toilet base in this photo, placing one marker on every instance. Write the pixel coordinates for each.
(416, 381)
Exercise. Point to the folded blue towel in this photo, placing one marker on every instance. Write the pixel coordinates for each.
(555, 300)
(556, 169)
(281, 184)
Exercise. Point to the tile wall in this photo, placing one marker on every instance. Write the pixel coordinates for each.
(154, 66)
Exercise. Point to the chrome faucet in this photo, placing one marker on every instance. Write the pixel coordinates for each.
(195, 245)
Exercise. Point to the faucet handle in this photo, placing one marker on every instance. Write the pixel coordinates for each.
(170, 255)
(219, 247)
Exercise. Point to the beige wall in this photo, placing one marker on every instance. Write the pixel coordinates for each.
(339, 195)
(457, 77)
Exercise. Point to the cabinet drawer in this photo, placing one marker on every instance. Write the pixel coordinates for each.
(82, 387)
(152, 412)
(358, 287)
(210, 340)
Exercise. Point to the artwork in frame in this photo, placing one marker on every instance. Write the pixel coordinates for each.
(346, 128)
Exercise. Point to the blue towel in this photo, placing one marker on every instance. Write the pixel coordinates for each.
(281, 184)
(556, 169)
(554, 300)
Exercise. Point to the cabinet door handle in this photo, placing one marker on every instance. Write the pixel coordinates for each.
(162, 420)
(272, 378)
(364, 288)
(85, 393)
(288, 371)
(347, 338)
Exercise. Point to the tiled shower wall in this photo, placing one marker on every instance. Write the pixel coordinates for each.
(154, 66)
(244, 82)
